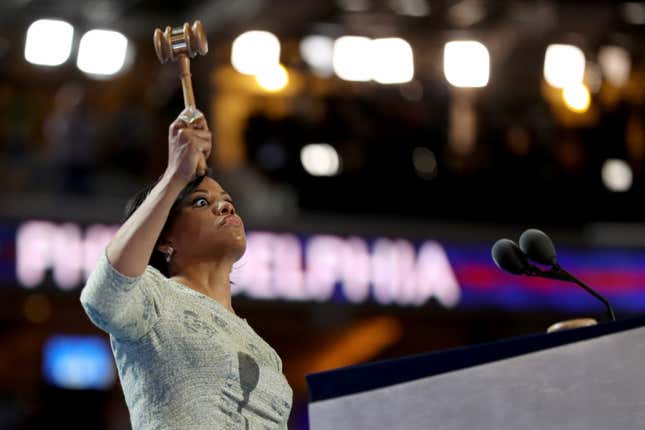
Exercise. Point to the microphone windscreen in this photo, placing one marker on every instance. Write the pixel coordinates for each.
(509, 257)
(538, 247)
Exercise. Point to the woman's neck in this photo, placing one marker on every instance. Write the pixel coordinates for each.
(211, 279)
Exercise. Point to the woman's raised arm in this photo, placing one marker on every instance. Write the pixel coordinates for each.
(118, 296)
(188, 149)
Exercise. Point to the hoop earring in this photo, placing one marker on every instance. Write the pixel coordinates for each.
(169, 254)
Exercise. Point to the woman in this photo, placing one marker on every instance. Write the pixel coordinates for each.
(161, 290)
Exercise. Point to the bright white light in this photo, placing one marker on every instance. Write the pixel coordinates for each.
(255, 51)
(392, 61)
(49, 42)
(576, 97)
(617, 175)
(466, 63)
(386, 61)
(615, 64)
(352, 59)
(564, 65)
(320, 159)
(102, 52)
(318, 53)
(273, 79)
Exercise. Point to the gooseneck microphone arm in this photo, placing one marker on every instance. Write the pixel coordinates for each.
(558, 273)
(537, 246)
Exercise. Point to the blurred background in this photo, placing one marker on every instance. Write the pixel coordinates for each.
(375, 148)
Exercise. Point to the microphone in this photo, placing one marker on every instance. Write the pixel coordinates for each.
(509, 257)
(539, 247)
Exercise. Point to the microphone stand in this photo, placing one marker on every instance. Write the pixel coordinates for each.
(558, 273)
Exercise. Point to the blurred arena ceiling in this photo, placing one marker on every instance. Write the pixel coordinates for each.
(516, 32)
(423, 16)
(509, 28)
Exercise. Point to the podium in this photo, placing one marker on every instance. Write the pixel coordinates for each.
(591, 378)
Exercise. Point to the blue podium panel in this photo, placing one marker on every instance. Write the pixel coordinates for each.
(586, 379)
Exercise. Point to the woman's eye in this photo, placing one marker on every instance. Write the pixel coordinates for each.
(198, 202)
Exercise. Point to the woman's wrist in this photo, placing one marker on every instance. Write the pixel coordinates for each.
(172, 183)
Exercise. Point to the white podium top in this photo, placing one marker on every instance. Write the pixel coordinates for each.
(595, 384)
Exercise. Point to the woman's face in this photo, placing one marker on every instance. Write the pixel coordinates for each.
(207, 227)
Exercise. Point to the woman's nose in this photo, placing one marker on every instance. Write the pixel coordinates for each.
(225, 208)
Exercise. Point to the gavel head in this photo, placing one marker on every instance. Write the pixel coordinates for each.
(185, 40)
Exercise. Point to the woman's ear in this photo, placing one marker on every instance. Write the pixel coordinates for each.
(163, 245)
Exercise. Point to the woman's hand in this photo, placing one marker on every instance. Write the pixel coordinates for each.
(188, 150)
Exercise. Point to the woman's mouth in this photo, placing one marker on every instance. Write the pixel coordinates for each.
(232, 220)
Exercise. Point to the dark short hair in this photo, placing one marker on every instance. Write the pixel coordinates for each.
(157, 258)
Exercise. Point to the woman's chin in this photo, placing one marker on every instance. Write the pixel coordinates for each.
(234, 247)
(238, 249)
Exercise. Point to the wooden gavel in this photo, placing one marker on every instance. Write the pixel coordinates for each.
(180, 44)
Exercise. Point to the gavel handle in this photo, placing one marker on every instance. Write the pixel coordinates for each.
(186, 82)
(190, 113)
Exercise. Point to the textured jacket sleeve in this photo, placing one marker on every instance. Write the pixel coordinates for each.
(126, 307)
